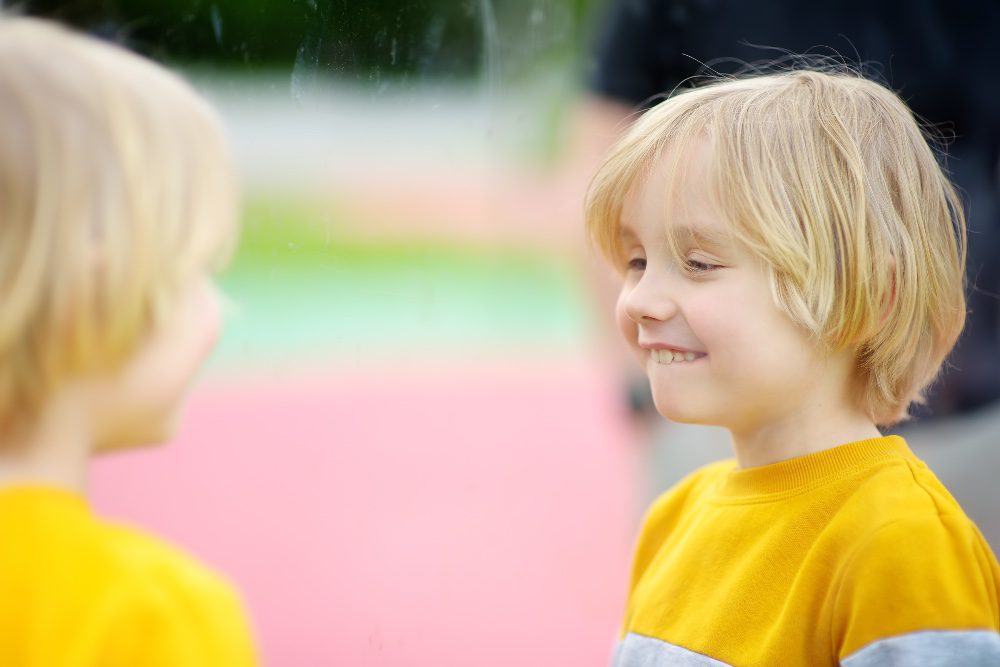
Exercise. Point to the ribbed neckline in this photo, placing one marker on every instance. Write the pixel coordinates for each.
(809, 470)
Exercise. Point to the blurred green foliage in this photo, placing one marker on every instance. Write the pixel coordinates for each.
(365, 40)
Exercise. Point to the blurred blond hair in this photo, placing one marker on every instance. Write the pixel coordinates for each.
(115, 189)
(828, 179)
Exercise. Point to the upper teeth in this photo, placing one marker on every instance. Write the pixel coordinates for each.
(670, 356)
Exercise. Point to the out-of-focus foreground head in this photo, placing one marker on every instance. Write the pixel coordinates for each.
(116, 190)
(829, 180)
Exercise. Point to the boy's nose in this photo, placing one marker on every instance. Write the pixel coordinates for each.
(648, 300)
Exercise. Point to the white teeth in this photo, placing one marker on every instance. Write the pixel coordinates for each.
(672, 357)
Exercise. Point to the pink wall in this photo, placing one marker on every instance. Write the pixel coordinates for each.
(468, 517)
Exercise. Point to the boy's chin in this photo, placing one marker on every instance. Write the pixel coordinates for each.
(675, 411)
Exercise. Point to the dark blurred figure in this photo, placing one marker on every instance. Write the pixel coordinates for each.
(942, 57)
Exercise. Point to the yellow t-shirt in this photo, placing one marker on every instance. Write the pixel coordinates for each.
(853, 556)
(77, 591)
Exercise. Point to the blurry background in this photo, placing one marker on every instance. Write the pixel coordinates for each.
(414, 445)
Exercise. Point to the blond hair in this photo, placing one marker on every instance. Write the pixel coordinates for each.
(829, 180)
(115, 189)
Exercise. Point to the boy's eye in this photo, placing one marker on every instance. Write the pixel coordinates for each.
(636, 264)
(698, 266)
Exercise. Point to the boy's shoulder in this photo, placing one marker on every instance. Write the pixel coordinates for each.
(912, 560)
(158, 565)
(901, 492)
(72, 565)
(58, 529)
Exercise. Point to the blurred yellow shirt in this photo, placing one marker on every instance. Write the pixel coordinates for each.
(75, 590)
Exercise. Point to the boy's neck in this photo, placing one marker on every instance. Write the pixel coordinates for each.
(799, 435)
(53, 451)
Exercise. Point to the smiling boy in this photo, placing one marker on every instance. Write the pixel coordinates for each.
(792, 258)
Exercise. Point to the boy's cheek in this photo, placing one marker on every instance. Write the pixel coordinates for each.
(143, 403)
(626, 326)
(630, 334)
(210, 314)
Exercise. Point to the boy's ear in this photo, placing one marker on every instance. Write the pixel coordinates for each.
(888, 304)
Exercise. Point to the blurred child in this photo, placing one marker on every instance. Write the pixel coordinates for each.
(792, 258)
(117, 202)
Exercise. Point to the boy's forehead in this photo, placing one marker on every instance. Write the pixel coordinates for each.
(627, 215)
(685, 233)
(678, 201)
(645, 198)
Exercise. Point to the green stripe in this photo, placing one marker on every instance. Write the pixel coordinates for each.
(303, 287)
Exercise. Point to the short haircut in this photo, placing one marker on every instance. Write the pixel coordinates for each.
(116, 188)
(829, 179)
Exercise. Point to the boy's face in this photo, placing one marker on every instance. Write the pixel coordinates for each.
(736, 360)
(142, 403)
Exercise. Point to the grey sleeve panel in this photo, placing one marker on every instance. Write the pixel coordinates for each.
(641, 651)
(932, 648)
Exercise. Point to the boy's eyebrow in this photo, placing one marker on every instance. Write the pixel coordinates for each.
(686, 235)
(625, 230)
(702, 238)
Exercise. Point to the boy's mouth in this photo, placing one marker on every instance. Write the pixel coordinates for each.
(675, 356)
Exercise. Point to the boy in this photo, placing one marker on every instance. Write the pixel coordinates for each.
(116, 203)
(792, 259)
